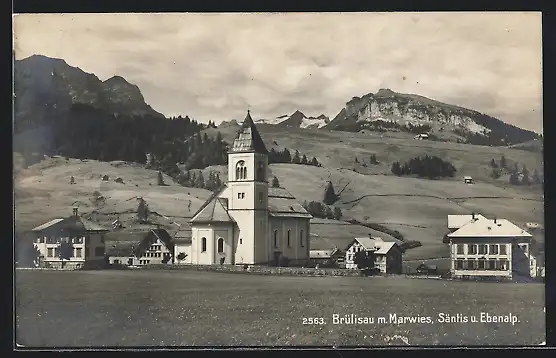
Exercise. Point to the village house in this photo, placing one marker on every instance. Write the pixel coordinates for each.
(328, 251)
(246, 222)
(421, 136)
(139, 246)
(388, 255)
(491, 248)
(467, 179)
(86, 239)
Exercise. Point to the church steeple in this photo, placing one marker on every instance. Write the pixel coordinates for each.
(248, 139)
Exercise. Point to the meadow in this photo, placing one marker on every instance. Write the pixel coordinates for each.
(190, 308)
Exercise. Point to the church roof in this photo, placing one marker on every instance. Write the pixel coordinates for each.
(248, 138)
(282, 203)
(212, 210)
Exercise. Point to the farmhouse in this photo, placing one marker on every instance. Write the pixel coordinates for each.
(388, 255)
(85, 237)
(421, 136)
(327, 251)
(246, 222)
(468, 180)
(140, 246)
(491, 248)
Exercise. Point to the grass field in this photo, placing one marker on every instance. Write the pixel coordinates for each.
(184, 308)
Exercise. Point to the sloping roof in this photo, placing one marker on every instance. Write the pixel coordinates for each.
(212, 211)
(321, 254)
(457, 221)
(384, 247)
(126, 243)
(71, 225)
(282, 203)
(488, 228)
(46, 225)
(366, 242)
(248, 138)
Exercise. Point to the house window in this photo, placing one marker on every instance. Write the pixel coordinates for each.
(301, 238)
(503, 249)
(78, 252)
(50, 252)
(99, 251)
(503, 264)
(459, 264)
(491, 265)
(468, 265)
(483, 249)
(102, 239)
(472, 249)
(459, 249)
(493, 250)
(260, 171)
(241, 170)
(241, 195)
(260, 197)
(240, 241)
(276, 238)
(289, 238)
(220, 245)
(203, 244)
(481, 264)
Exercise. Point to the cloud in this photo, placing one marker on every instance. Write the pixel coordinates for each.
(212, 66)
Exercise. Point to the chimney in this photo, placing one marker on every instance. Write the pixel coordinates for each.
(75, 211)
(473, 216)
(495, 220)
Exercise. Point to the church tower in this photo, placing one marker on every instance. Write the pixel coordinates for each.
(248, 199)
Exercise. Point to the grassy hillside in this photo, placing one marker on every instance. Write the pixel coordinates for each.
(335, 149)
(43, 191)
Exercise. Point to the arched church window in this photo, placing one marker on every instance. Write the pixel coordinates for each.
(275, 238)
(203, 244)
(301, 238)
(220, 245)
(289, 238)
(241, 170)
(260, 171)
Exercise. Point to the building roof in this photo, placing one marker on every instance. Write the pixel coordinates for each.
(484, 227)
(384, 247)
(125, 243)
(457, 221)
(70, 225)
(248, 138)
(467, 177)
(321, 254)
(212, 210)
(366, 242)
(282, 203)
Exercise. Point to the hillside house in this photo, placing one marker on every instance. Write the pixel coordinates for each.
(86, 237)
(491, 248)
(248, 222)
(388, 255)
(139, 247)
(468, 180)
(421, 136)
(328, 251)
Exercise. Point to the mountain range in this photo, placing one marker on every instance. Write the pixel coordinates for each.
(46, 88)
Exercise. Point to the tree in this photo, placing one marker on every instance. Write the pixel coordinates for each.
(296, 158)
(514, 179)
(493, 163)
(396, 169)
(72, 180)
(28, 255)
(515, 169)
(181, 256)
(364, 259)
(337, 213)
(329, 213)
(304, 160)
(275, 182)
(525, 180)
(496, 173)
(142, 210)
(536, 178)
(330, 196)
(503, 162)
(374, 161)
(314, 162)
(356, 160)
(65, 250)
(160, 179)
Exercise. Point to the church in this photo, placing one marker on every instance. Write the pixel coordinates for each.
(248, 222)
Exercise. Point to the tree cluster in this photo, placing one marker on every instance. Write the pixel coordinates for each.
(425, 167)
(285, 156)
(322, 211)
(196, 179)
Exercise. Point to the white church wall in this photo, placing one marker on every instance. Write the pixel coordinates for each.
(295, 252)
(245, 253)
(198, 256)
(224, 232)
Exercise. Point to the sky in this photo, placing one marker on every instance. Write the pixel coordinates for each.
(216, 66)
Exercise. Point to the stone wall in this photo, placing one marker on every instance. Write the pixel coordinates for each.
(260, 270)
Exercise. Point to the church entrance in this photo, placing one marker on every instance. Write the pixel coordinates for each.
(276, 259)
